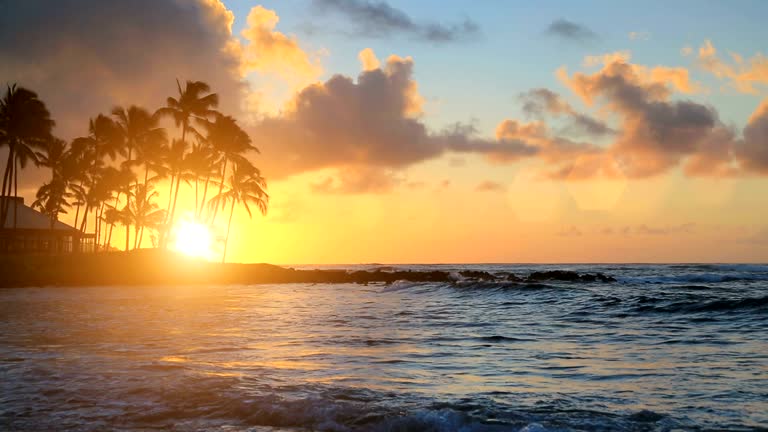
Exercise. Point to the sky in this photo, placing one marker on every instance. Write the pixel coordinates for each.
(446, 131)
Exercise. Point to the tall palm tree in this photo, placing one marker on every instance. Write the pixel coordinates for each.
(140, 132)
(25, 125)
(103, 140)
(115, 183)
(230, 143)
(246, 186)
(201, 164)
(175, 165)
(52, 197)
(143, 212)
(192, 104)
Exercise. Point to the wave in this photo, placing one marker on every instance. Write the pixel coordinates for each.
(218, 405)
(693, 278)
(722, 305)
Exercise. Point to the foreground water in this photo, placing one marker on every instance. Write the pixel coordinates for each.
(664, 348)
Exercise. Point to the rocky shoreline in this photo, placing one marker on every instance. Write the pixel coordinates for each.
(154, 267)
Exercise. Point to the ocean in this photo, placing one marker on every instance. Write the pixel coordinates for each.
(665, 347)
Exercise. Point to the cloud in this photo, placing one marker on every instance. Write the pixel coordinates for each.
(752, 152)
(742, 74)
(102, 53)
(541, 102)
(656, 132)
(372, 121)
(267, 51)
(83, 57)
(357, 180)
(377, 19)
(368, 60)
(570, 31)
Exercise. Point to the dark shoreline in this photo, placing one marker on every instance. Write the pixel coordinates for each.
(155, 267)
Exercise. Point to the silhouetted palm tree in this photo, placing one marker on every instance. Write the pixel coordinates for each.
(175, 166)
(200, 163)
(103, 140)
(52, 197)
(115, 183)
(229, 143)
(25, 125)
(246, 186)
(192, 104)
(140, 132)
(143, 212)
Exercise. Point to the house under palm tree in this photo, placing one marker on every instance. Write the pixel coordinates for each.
(27, 231)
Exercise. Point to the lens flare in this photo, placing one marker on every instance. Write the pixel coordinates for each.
(194, 239)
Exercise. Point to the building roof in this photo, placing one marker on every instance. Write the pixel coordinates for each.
(28, 218)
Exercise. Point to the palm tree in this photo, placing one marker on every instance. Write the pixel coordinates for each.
(103, 140)
(52, 197)
(140, 131)
(143, 212)
(25, 124)
(175, 165)
(192, 104)
(245, 186)
(200, 163)
(229, 143)
(115, 182)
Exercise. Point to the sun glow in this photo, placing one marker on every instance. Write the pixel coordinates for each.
(194, 239)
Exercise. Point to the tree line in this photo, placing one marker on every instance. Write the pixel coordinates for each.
(110, 176)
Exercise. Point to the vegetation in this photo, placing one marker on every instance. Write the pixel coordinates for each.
(110, 176)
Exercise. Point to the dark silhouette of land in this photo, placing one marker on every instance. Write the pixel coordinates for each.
(158, 267)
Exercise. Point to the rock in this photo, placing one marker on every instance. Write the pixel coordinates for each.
(475, 274)
(569, 276)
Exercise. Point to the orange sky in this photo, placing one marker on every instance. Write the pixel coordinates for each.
(622, 149)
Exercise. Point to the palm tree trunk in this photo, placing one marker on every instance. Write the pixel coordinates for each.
(77, 213)
(197, 186)
(97, 228)
(108, 240)
(6, 178)
(15, 192)
(175, 199)
(221, 188)
(164, 235)
(205, 194)
(127, 235)
(229, 225)
(84, 224)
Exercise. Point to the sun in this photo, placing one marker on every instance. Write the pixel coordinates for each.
(193, 239)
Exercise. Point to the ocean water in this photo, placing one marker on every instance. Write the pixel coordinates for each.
(674, 347)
